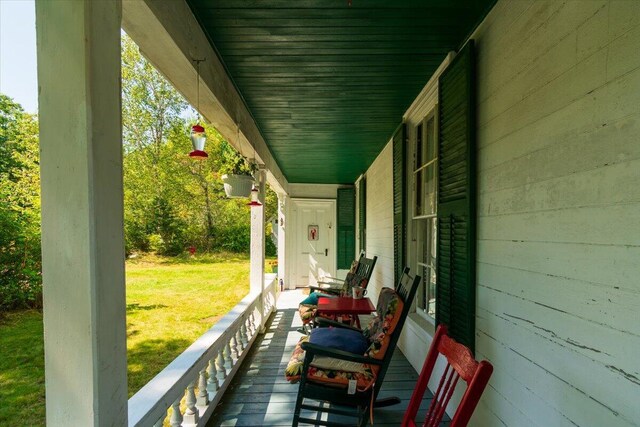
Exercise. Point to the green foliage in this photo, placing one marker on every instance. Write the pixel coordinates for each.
(173, 202)
(20, 259)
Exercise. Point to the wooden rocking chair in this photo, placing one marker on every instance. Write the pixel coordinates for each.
(356, 386)
(460, 364)
(359, 277)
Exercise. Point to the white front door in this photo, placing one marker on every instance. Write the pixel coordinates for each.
(315, 240)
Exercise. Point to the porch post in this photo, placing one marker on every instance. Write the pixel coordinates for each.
(257, 243)
(78, 45)
(282, 239)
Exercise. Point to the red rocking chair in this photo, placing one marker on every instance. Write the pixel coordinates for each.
(460, 364)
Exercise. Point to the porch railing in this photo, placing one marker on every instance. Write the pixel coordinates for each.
(202, 373)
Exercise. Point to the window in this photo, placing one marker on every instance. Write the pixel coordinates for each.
(425, 167)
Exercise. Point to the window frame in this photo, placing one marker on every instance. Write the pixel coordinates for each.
(414, 254)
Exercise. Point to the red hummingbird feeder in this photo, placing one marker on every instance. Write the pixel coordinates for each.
(198, 136)
(198, 139)
(254, 197)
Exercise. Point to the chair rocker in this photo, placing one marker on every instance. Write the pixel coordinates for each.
(460, 364)
(359, 275)
(351, 380)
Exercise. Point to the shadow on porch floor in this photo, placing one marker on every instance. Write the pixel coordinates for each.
(260, 396)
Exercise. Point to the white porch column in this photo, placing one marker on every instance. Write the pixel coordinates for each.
(82, 212)
(283, 200)
(258, 242)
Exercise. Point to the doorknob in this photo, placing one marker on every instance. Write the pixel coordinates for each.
(326, 252)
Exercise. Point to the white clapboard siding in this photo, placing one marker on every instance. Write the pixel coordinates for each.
(558, 280)
(559, 212)
(380, 221)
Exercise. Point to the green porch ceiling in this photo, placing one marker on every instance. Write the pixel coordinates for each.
(327, 83)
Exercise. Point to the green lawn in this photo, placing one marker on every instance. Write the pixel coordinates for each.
(170, 303)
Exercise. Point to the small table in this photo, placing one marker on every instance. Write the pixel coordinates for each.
(345, 305)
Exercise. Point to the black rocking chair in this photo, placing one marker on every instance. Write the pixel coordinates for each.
(355, 388)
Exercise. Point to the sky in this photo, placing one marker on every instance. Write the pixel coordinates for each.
(18, 69)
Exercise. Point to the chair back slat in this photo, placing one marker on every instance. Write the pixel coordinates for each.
(460, 364)
(361, 276)
(442, 397)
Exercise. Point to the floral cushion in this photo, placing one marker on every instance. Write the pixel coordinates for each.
(354, 266)
(350, 283)
(364, 378)
(378, 333)
(382, 325)
(307, 312)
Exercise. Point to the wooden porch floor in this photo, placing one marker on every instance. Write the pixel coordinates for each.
(260, 396)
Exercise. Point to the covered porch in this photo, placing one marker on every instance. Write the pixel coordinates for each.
(492, 146)
(260, 395)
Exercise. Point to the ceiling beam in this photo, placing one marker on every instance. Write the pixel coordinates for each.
(170, 37)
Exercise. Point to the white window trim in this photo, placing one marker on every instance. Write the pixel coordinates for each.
(411, 247)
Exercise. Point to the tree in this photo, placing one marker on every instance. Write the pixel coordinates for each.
(172, 201)
(20, 259)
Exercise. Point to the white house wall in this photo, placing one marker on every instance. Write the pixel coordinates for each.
(379, 211)
(559, 214)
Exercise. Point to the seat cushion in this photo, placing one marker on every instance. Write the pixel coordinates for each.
(363, 374)
(307, 312)
(313, 297)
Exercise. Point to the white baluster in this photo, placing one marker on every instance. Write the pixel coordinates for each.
(212, 381)
(176, 416)
(243, 333)
(203, 396)
(191, 415)
(252, 324)
(228, 360)
(222, 371)
(234, 349)
(239, 342)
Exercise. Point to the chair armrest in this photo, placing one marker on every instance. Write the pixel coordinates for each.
(318, 350)
(325, 290)
(333, 281)
(324, 322)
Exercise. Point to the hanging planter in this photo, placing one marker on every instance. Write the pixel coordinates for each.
(236, 186)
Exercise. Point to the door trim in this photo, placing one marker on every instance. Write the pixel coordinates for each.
(297, 202)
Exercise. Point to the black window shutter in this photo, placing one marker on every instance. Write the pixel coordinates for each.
(455, 292)
(362, 213)
(346, 227)
(399, 199)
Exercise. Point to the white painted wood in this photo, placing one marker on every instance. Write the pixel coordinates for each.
(557, 298)
(78, 46)
(212, 378)
(169, 35)
(176, 415)
(313, 259)
(313, 191)
(257, 254)
(380, 221)
(191, 415)
(282, 240)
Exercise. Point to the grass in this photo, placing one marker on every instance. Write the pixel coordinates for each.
(21, 369)
(170, 303)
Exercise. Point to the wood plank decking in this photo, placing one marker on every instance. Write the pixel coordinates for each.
(260, 396)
